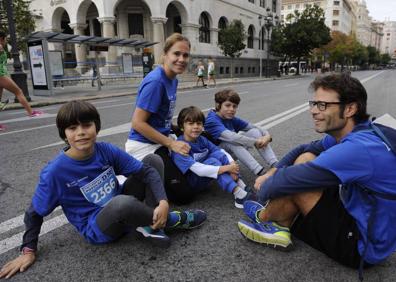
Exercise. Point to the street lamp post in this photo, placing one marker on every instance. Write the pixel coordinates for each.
(261, 46)
(269, 22)
(18, 75)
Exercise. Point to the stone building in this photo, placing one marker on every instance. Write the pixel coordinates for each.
(389, 39)
(154, 20)
(340, 15)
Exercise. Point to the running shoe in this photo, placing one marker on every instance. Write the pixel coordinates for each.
(268, 233)
(190, 219)
(3, 105)
(36, 113)
(249, 196)
(2, 127)
(156, 237)
(251, 209)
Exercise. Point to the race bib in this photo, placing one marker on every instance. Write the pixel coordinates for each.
(102, 189)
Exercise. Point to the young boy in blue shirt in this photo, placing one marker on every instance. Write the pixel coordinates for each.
(82, 180)
(205, 160)
(236, 135)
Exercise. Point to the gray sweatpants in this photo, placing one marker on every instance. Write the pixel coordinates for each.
(128, 211)
(245, 157)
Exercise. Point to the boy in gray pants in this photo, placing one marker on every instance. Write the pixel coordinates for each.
(236, 135)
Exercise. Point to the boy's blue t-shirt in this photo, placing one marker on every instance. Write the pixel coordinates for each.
(82, 188)
(156, 95)
(200, 150)
(362, 159)
(215, 125)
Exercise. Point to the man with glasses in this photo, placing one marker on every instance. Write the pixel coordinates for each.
(336, 194)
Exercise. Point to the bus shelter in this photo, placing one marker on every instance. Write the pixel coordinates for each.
(46, 64)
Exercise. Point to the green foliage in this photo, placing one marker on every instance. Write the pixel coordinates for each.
(385, 58)
(374, 56)
(345, 50)
(301, 34)
(231, 39)
(23, 19)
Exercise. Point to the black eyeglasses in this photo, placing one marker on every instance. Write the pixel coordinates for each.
(321, 105)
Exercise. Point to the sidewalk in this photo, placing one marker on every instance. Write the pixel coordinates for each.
(86, 92)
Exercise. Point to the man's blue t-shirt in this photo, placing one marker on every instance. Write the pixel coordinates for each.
(200, 150)
(215, 125)
(362, 159)
(156, 95)
(82, 188)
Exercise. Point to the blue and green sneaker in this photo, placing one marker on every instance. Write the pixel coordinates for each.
(189, 219)
(156, 237)
(252, 209)
(268, 233)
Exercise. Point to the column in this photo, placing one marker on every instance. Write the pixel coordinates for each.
(158, 36)
(80, 49)
(191, 31)
(108, 31)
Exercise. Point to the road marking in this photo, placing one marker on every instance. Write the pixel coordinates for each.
(371, 77)
(122, 128)
(50, 115)
(289, 85)
(15, 240)
(27, 129)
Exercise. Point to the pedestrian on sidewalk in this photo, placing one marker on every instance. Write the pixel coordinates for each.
(7, 83)
(200, 73)
(211, 71)
(82, 180)
(152, 118)
(95, 75)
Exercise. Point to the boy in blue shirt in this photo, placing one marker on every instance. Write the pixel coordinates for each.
(206, 161)
(236, 135)
(82, 180)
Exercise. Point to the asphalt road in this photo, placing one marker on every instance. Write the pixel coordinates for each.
(214, 252)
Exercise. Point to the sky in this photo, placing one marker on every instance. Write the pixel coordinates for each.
(382, 9)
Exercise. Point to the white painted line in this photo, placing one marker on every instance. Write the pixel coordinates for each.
(27, 129)
(15, 240)
(15, 222)
(272, 124)
(289, 85)
(28, 118)
(261, 123)
(371, 77)
(50, 115)
(122, 128)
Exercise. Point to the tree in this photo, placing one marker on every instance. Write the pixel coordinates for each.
(231, 40)
(302, 33)
(385, 58)
(23, 18)
(374, 56)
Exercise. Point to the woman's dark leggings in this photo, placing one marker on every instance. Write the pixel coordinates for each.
(177, 188)
(128, 211)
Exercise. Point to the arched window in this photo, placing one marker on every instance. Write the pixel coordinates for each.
(250, 37)
(261, 40)
(222, 23)
(274, 6)
(204, 31)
